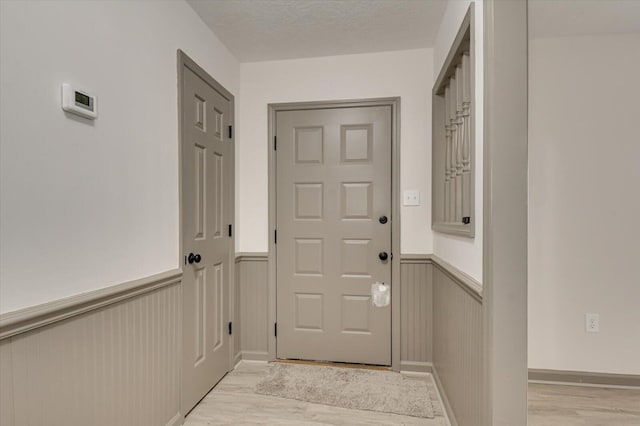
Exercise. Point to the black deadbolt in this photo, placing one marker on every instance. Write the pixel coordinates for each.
(194, 258)
(383, 219)
(383, 256)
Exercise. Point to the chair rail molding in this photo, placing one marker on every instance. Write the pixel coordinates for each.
(23, 320)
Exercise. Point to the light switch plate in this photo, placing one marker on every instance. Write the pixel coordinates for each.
(411, 198)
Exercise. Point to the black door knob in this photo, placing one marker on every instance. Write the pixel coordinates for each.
(194, 258)
(383, 219)
(383, 255)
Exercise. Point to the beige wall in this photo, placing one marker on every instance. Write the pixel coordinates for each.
(85, 205)
(584, 171)
(464, 253)
(407, 74)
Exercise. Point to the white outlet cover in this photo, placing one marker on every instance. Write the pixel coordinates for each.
(592, 323)
(411, 198)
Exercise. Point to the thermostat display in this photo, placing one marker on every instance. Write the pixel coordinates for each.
(79, 102)
(84, 101)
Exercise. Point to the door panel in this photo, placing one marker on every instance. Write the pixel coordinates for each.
(333, 183)
(205, 194)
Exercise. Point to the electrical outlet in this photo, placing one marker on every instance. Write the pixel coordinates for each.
(592, 323)
(411, 198)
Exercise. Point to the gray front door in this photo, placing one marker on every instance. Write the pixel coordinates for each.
(333, 187)
(207, 165)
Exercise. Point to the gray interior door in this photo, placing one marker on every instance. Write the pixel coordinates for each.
(333, 187)
(206, 164)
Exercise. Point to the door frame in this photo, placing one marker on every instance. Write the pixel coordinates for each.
(183, 60)
(394, 103)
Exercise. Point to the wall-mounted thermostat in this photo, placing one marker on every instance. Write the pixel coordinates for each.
(79, 102)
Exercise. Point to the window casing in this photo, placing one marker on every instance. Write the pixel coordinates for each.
(453, 137)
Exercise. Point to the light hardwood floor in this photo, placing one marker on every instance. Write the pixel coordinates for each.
(560, 405)
(233, 402)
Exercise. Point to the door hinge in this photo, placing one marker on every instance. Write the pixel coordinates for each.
(275, 237)
(466, 220)
(230, 132)
(230, 230)
(275, 143)
(230, 328)
(275, 329)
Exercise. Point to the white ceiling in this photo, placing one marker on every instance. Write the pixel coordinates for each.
(262, 30)
(553, 18)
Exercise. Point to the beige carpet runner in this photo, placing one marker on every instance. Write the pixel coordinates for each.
(358, 389)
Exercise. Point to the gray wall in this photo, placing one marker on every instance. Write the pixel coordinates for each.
(253, 299)
(457, 345)
(416, 307)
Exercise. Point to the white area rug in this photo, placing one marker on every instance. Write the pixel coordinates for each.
(358, 389)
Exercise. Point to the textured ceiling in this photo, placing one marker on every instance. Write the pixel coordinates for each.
(554, 18)
(260, 30)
